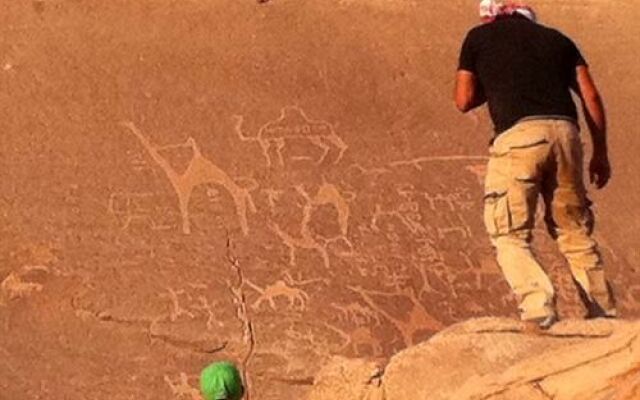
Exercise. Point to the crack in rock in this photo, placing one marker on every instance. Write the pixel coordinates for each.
(148, 326)
(538, 386)
(239, 298)
(506, 386)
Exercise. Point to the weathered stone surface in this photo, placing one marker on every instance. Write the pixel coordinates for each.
(274, 184)
(499, 359)
(363, 376)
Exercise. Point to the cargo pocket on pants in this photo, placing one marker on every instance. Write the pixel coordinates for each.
(496, 213)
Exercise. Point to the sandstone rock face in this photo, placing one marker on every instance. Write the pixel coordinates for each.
(274, 183)
(498, 359)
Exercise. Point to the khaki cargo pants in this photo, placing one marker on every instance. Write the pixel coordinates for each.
(542, 157)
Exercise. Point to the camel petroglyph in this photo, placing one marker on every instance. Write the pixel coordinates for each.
(297, 298)
(200, 171)
(326, 194)
(293, 123)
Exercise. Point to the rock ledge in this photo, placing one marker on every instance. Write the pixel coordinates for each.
(498, 359)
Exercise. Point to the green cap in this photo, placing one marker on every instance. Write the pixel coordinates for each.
(221, 381)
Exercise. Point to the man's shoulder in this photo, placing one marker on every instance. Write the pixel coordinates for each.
(478, 29)
(555, 33)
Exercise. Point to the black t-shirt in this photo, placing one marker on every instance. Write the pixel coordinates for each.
(524, 68)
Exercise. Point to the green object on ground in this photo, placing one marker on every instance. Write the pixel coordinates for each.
(221, 381)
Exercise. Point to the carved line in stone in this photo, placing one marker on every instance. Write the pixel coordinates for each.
(128, 207)
(297, 298)
(276, 133)
(357, 338)
(417, 161)
(419, 317)
(200, 171)
(326, 194)
(181, 387)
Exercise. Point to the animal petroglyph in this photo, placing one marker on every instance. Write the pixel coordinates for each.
(329, 194)
(419, 319)
(357, 314)
(326, 194)
(297, 298)
(412, 224)
(200, 171)
(293, 123)
(128, 208)
(358, 339)
(14, 286)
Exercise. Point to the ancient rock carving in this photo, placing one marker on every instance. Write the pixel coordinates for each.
(176, 310)
(479, 171)
(419, 318)
(181, 388)
(296, 345)
(297, 298)
(358, 339)
(293, 123)
(200, 171)
(128, 208)
(326, 194)
(357, 314)
(14, 286)
(412, 224)
(416, 162)
(207, 307)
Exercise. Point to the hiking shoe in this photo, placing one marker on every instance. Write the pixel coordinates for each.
(542, 323)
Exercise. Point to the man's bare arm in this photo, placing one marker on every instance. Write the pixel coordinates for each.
(468, 93)
(595, 116)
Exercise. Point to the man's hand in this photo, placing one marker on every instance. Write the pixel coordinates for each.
(599, 170)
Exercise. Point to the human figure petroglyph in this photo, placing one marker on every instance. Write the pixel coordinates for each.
(293, 123)
(297, 298)
(181, 388)
(419, 319)
(176, 310)
(208, 307)
(273, 196)
(200, 171)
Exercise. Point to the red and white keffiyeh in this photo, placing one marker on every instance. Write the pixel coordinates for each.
(491, 9)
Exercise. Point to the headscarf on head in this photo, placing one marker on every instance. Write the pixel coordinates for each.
(519, 8)
(491, 9)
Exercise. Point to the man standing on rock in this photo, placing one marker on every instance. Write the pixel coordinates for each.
(525, 72)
